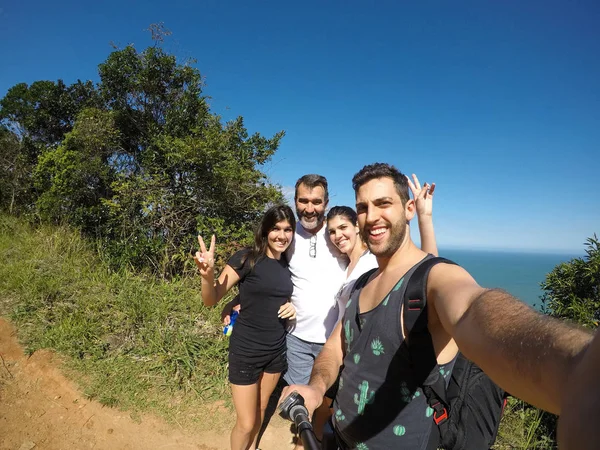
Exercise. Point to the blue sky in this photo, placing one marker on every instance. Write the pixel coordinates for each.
(497, 102)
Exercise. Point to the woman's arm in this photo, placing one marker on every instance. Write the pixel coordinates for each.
(213, 291)
(424, 205)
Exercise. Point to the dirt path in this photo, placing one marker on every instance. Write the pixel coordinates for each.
(41, 409)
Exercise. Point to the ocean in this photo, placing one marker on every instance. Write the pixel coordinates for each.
(518, 273)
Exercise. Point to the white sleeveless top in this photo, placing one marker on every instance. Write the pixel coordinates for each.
(366, 262)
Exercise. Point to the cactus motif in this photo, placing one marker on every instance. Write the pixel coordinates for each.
(416, 394)
(349, 334)
(398, 286)
(341, 383)
(361, 446)
(339, 416)
(377, 347)
(405, 392)
(399, 430)
(365, 397)
(429, 411)
(356, 358)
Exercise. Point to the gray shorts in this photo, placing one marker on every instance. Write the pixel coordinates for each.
(300, 358)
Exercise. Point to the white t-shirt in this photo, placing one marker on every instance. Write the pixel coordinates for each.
(366, 262)
(316, 281)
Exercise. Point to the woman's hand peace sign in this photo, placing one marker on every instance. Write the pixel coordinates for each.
(423, 196)
(205, 259)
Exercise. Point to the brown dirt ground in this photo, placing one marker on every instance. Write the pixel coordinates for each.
(41, 409)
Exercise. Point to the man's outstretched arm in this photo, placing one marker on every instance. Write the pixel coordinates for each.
(528, 354)
(580, 413)
(324, 372)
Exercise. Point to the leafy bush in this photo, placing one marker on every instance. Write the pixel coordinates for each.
(573, 288)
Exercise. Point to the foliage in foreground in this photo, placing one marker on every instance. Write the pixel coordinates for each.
(135, 342)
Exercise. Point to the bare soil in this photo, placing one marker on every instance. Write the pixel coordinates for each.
(41, 409)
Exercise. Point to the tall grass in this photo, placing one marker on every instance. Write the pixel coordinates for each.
(525, 427)
(135, 342)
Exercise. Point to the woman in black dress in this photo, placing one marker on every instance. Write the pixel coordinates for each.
(257, 351)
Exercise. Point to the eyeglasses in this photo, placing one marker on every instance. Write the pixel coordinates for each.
(312, 250)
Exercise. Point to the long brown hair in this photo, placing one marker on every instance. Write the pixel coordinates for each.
(272, 217)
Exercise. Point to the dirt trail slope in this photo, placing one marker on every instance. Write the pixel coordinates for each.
(41, 409)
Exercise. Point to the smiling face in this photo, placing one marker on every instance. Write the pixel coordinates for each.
(382, 218)
(343, 233)
(310, 207)
(279, 239)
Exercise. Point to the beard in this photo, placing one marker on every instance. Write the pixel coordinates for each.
(310, 221)
(397, 233)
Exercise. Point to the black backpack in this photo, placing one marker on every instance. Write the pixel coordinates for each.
(468, 407)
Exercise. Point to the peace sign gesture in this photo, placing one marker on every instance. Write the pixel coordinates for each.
(423, 196)
(205, 259)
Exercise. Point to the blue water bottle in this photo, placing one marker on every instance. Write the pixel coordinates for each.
(229, 328)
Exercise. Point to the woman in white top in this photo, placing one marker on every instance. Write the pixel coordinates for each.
(342, 226)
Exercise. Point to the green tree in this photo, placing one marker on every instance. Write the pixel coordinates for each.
(151, 94)
(139, 160)
(39, 115)
(14, 171)
(181, 171)
(207, 182)
(572, 289)
(45, 111)
(74, 176)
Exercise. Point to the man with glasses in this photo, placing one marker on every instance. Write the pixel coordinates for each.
(318, 269)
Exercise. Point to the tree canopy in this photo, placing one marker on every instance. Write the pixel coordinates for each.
(136, 160)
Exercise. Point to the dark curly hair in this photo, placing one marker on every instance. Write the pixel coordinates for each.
(382, 170)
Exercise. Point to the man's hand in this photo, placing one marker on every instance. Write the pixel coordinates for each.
(423, 196)
(312, 396)
(287, 311)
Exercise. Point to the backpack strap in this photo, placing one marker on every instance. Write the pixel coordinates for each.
(420, 345)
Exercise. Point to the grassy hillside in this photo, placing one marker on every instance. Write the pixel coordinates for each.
(130, 341)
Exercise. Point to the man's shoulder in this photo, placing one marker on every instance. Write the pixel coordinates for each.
(442, 269)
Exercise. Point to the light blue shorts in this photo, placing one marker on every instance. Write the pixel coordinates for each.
(300, 357)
